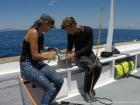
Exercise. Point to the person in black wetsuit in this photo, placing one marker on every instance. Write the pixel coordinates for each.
(81, 37)
(31, 62)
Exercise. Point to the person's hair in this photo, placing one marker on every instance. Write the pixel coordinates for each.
(44, 17)
(68, 22)
(37, 24)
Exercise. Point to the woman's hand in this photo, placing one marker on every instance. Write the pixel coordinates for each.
(71, 56)
(51, 55)
(68, 56)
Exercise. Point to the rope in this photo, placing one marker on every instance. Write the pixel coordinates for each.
(104, 103)
(98, 46)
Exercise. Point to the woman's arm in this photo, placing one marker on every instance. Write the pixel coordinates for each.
(33, 40)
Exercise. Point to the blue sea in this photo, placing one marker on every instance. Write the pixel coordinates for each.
(11, 41)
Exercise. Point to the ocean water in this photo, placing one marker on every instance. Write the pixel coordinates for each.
(11, 41)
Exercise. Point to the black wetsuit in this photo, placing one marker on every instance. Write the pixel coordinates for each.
(83, 42)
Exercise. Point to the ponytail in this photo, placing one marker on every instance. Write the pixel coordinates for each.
(37, 24)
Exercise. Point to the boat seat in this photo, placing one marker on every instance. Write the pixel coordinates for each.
(31, 95)
(27, 82)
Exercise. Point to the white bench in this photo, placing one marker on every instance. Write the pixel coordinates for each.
(73, 77)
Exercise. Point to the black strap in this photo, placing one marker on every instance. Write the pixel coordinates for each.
(106, 99)
(69, 103)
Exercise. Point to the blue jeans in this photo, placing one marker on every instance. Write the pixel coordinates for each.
(43, 75)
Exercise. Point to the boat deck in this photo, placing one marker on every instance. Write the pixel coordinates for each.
(10, 90)
(121, 92)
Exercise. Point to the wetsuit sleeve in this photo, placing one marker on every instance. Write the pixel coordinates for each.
(89, 39)
(70, 43)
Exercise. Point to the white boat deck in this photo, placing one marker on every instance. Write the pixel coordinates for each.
(121, 92)
(9, 90)
(106, 86)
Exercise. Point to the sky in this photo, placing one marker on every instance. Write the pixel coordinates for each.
(20, 14)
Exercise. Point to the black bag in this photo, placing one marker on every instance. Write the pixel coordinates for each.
(106, 54)
(115, 50)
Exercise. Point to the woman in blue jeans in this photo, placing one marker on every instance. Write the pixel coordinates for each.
(31, 62)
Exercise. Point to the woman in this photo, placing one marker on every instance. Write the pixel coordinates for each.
(31, 63)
